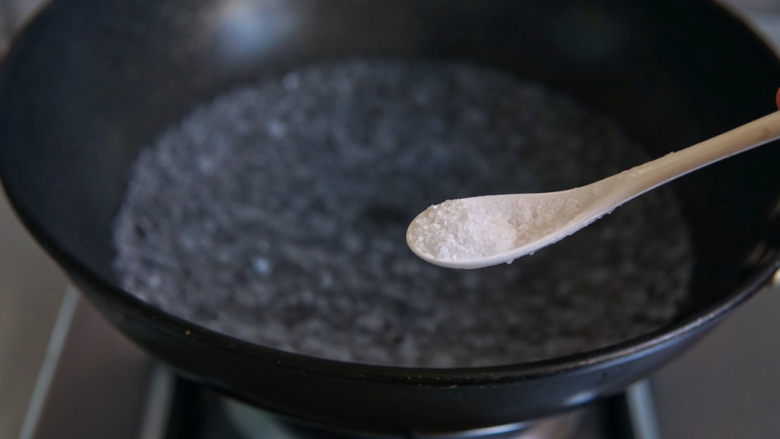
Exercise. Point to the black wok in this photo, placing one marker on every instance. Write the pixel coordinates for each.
(90, 82)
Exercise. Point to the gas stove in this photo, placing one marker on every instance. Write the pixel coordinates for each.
(197, 413)
(94, 383)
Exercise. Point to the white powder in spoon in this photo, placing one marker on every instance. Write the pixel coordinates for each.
(477, 227)
(458, 229)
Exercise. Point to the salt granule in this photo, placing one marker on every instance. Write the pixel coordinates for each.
(474, 228)
(457, 229)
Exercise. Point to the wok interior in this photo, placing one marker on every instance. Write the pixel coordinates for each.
(76, 111)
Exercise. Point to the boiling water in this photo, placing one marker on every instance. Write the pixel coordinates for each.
(276, 213)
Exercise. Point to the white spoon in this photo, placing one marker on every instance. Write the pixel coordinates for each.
(488, 230)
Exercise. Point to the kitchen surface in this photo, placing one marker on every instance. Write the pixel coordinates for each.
(31, 286)
(727, 386)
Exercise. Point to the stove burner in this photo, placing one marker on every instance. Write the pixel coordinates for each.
(164, 405)
(256, 423)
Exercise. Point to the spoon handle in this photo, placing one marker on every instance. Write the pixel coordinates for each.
(645, 177)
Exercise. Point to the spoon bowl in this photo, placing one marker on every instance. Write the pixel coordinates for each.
(488, 230)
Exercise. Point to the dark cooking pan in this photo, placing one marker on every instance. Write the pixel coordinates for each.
(90, 82)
